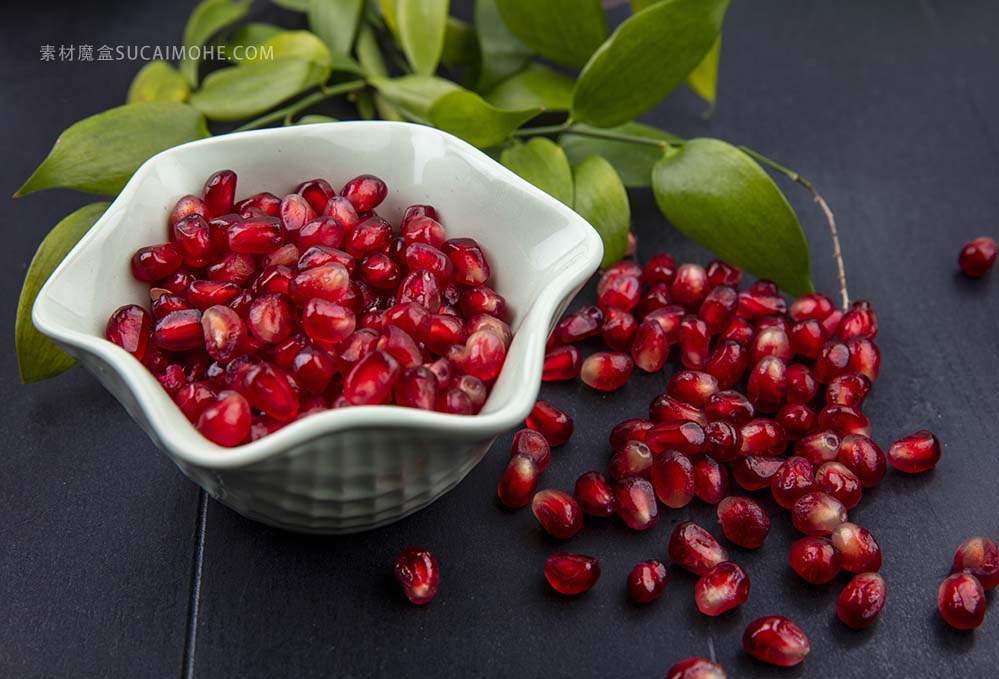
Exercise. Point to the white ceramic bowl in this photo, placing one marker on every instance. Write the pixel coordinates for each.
(355, 468)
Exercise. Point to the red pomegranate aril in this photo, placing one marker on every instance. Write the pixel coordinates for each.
(673, 479)
(618, 329)
(979, 557)
(647, 581)
(710, 480)
(977, 257)
(341, 209)
(203, 294)
(287, 255)
(864, 458)
(294, 213)
(723, 273)
(551, 422)
(775, 640)
(961, 601)
(329, 282)
(724, 587)
(815, 559)
(831, 322)
(172, 379)
(192, 237)
(796, 477)
(492, 324)
(327, 322)
(319, 256)
(753, 472)
(313, 368)
(695, 343)
(256, 236)
(836, 479)
(623, 292)
(427, 230)
(849, 389)
(696, 668)
(374, 234)
(234, 267)
(167, 302)
(606, 370)
(470, 265)
(475, 388)
(322, 232)
(743, 521)
(915, 453)
(128, 327)
(264, 201)
(770, 341)
(283, 353)
(226, 421)
(767, 384)
(667, 409)
(690, 286)
(580, 325)
(370, 381)
(865, 358)
(571, 573)
(650, 347)
(594, 494)
(860, 602)
(694, 549)
(187, 205)
(762, 437)
(636, 503)
(219, 193)
(415, 211)
(754, 305)
(633, 458)
(718, 308)
(797, 419)
(818, 448)
(271, 318)
(420, 287)
(417, 572)
(858, 550)
(365, 192)
(224, 333)
(558, 513)
(817, 514)
(739, 331)
(833, 361)
(177, 283)
(179, 331)
(813, 306)
(729, 406)
(721, 441)
(844, 420)
(518, 482)
(859, 321)
(561, 363)
(727, 363)
(317, 192)
(156, 262)
(533, 445)
(630, 430)
(268, 390)
(807, 338)
(661, 268)
(423, 256)
(684, 437)
(485, 355)
(692, 387)
(801, 384)
(399, 345)
(193, 398)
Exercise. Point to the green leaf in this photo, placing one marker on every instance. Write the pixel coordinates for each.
(638, 5)
(335, 22)
(389, 10)
(422, 24)
(543, 163)
(467, 115)
(251, 34)
(633, 162)
(250, 89)
(415, 93)
(293, 45)
(158, 81)
(461, 44)
(720, 197)
(565, 31)
(207, 19)
(703, 80)
(37, 357)
(602, 200)
(536, 85)
(502, 54)
(369, 54)
(98, 154)
(646, 58)
(314, 118)
(293, 5)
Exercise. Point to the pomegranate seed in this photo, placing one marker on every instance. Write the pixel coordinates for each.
(727, 363)
(849, 389)
(668, 318)
(203, 294)
(128, 327)
(421, 325)
(167, 302)
(815, 560)
(268, 390)
(179, 331)
(558, 513)
(771, 341)
(793, 479)
(318, 256)
(658, 298)
(634, 458)
(618, 329)
(581, 325)
(861, 600)
(977, 257)
(341, 209)
(753, 472)
(729, 406)
(271, 318)
(356, 347)
(371, 380)
(860, 321)
(192, 236)
(807, 338)
(817, 513)
(667, 409)
(692, 387)
(551, 422)
(743, 521)
(723, 273)
(594, 495)
(226, 421)
(258, 235)
(650, 348)
(961, 601)
(427, 230)
(661, 268)
(865, 358)
(636, 503)
(533, 445)
(710, 480)
(979, 557)
(317, 192)
(219, 193)
(313, 368)
(833, 361)
(372, 235)
(836, 479)
(474, 388)
(517, 485)
(234, 267)
(187, 205)
(721, 441)
(695, 343)
(915, 453)
(694, 549)
(739, 331)
(414, 211)
(864, 458)
(754, 305)
(193, 398)
(491, 323)
(859, 551)
(294, 213)
(775, 640)
(673, 479)
(224, 333)
(762, 437)
(818, 448)
(724, 587)
(156, 262)
(365, 192)
(647, 581)
(177, 283)
(813, 306)
(844, 420)
(690, 286)
(696, 668)
(622, 292)
(684, 437)
(606, 370)
(571, 573)
(629, 430)
(797, 419)
(266, 202)
(418, 574)
(485, 355)
(416, 388)
(329, 282)
(767, 384)
(561, 363)
(327, 322)
(172, 379)
(718, 308)
(770, 323)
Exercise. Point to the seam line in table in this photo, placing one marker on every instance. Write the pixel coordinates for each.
(191, 636)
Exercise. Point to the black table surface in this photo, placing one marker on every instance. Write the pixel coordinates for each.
(113, 564)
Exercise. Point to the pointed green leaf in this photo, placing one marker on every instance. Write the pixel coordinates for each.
(422, 24)
(158, 81)
(37, 357)
(461, 44)
(566, 31)
(536, 85)
(293, 45)
(646, 58)
(633, 162)
(98, 154)
(390, 13)
(415, 93)
(718, 196)
(293, 5)
(369, 55)
(335, 22)
(502, 54)
(252, 88)
(314, 118)
(467, 115)
(207, 19)
(639, 5)
(602, 200)
(703, 80)
(251, 34)
(541, 162)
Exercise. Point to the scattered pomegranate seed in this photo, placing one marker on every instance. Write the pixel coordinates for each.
(690, 286)
(961, 601)
(743, 521)
(775, 640)
(227, 420)
(721, 441)
(977, 257)
(558, 513)
(633, 458)
(730, 406)
(647, 581)
(858, 550)
(980, 557)
(128, 327)
(636, 503)
(696, 668)
(694, 549)
(710, 480)
(861, 600)
(673, 479)
(837, 480)
(594, 495)
(551, 422)
(794, 478)
(561, 363)
(915, 453)
(762, 437)
(665, 408)
(721, 589)
(571, 573)
(518, 483)
(606, 370)
(629, 430)
(683, 437)
(418, 574)
(618, 329)
(531, 444)
(864, 458)
(815, 559)
(817, 514)
(692, 387)
(650, 347)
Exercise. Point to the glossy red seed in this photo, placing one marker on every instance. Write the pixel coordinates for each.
(650, 347)
(416, 388)
(743, 521)
(721, 441)
(636, 503)
(833, 361)
(694, 549)
(797, 420)
(224, 333)
(849, 389)
(665, 408)
(754, 305)
(485, 354)
(226, 421)
(762, 437)
(365, 192)
(977, 257)
(594, 494)
(414, 211)
(266, 202)
(727, 363)
(771, 341)
(313, 368)
(581, 325)
(753, 472)
(724, 587)
(622, 292)
(864, 458)
(844, 420)
(371, 380)
(961, 601)
(571, 573)
(979, 557)
(271, 318)
(193, 398)
(836, 479)
(718, 308)
(518, 482)
(374, 234)
(915, 453)
(817, 513)
(796, 477)
(618, 329)
(696, 668)
(819, 447)
(179, 331)
(684, 437)
(695, 343)
(710, 480)
(630, 430)
(673, 478)
(156, 262)
(865, 358)
(633, 458)
(807, 338)
(294, 213)
(418, 574)
(558, 513)
(767, 385)
(647, 581)
(187, 205)
(692, 387)
(327, 322)
(255, 236)
(729, 406)
(551, 422)
(482, 300)
(690, 286)
(815, 559)
(858, 550)
(192, 236)
(606, 370)
(775, 640)
(860, 602)
(739, 331)
(661, 268)
(329, 282)
(172, 379)
(859, 321)
(128, 327)
(268, 390)
(657, 299)
(219, 193)
(323, 232)
(428, 231)
(561, 363)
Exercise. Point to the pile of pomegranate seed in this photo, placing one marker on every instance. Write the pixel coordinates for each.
(270, 309)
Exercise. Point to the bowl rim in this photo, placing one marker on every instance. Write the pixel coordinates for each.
(151, 397)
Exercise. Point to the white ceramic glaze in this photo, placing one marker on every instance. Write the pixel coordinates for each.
(354, 468)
